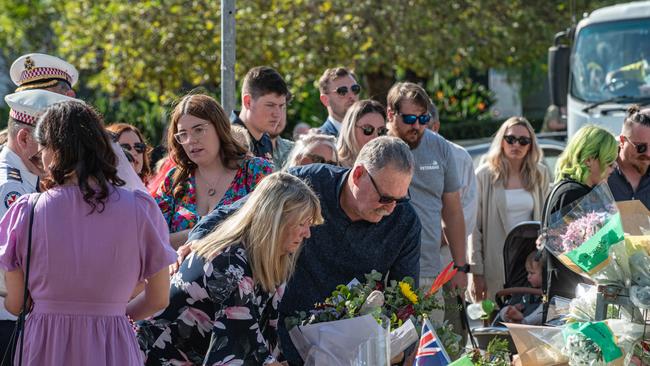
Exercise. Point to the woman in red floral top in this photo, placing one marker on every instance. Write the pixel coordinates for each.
(211, 169)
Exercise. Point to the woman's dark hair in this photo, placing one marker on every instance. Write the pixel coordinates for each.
(206, 108)
(118, 129)
(74, 133)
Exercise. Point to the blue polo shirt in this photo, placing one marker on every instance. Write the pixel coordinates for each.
(340, 249)
(622, 190)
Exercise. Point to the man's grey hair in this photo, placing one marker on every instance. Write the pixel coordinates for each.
(386, 151)
(13, 127)
(306, 143)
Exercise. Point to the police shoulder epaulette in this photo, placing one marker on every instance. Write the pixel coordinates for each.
(11, 173)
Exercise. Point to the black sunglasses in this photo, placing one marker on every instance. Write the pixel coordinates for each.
(385, 200)
(139, 147)
(522, 140)
(317, 159)
(343, 90)
(369, 130)
(410, 119)
(641, 148)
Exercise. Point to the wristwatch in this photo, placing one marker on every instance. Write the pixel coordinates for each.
(464, 268)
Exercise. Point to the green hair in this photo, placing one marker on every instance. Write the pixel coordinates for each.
(589, 142)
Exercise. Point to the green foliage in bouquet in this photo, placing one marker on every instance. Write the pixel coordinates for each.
(404, 301)
(497, 354)
(344, 303)
(400, 301)
(450, 340)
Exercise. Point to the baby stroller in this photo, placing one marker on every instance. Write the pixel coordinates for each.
(519, 243)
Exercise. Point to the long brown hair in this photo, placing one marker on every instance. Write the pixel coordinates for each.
(118, 129)
(206, 108)
(80, 147)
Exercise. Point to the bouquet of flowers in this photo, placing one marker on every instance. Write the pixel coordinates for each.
(587, 237)
(609, 342)
(399, 307)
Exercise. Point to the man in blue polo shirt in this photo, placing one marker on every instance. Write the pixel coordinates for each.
(369, 224)
(264, 100)
(631, 178)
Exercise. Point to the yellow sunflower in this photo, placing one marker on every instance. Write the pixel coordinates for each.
(408, 292)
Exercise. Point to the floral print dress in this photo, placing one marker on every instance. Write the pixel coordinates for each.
(217, 316)
(181, 214)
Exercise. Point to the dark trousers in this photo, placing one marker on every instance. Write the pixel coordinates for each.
(6, 330)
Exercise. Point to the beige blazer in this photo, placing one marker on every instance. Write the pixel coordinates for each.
(485, 249)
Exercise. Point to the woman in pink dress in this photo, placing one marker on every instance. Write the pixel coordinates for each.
(92, 243)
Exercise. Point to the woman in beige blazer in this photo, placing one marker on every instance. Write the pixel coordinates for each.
(512, 186)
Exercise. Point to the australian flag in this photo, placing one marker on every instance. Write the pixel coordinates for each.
(430, 350)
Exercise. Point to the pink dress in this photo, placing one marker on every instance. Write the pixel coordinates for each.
(84, 268)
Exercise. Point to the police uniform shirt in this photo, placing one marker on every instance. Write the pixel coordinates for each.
(15, 179)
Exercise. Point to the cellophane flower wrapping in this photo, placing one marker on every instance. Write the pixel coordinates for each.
(392, 306)
(608, 342)
(587, 237)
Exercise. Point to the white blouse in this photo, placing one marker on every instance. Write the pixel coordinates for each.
(520, 206)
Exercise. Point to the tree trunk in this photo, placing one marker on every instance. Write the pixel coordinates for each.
(379, 83)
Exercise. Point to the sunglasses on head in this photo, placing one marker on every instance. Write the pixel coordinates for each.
(317, 159)
(385, 200)
(410, 119)
(343, 90)
(369, 130)
(139, 147)
(522, 140)
(641, 148)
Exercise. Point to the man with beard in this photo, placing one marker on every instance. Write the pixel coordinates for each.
(338, 91)
(435, 185)
(264, 97)
(630, 180)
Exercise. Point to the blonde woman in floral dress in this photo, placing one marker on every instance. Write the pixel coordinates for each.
(224, 299)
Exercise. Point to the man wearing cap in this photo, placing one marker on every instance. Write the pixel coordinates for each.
(41, 71)
(38, 71)
(20, 168)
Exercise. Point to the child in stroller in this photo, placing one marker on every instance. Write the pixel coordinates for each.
(525, 308)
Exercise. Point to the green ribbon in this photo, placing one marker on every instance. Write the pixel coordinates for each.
(595, 250)
(599, 333)
(463, 361)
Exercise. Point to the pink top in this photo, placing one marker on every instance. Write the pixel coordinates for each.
(84, 268)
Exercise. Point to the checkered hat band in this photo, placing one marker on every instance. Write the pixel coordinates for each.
(39, 73)
(22, 117)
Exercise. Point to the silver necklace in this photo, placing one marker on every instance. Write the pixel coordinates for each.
(211, 190)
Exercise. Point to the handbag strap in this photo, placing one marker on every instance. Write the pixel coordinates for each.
(24, 310)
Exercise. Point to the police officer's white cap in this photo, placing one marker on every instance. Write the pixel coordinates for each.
(38, 70)
(26, 106)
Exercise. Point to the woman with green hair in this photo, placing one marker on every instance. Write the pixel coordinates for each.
(587, 161)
